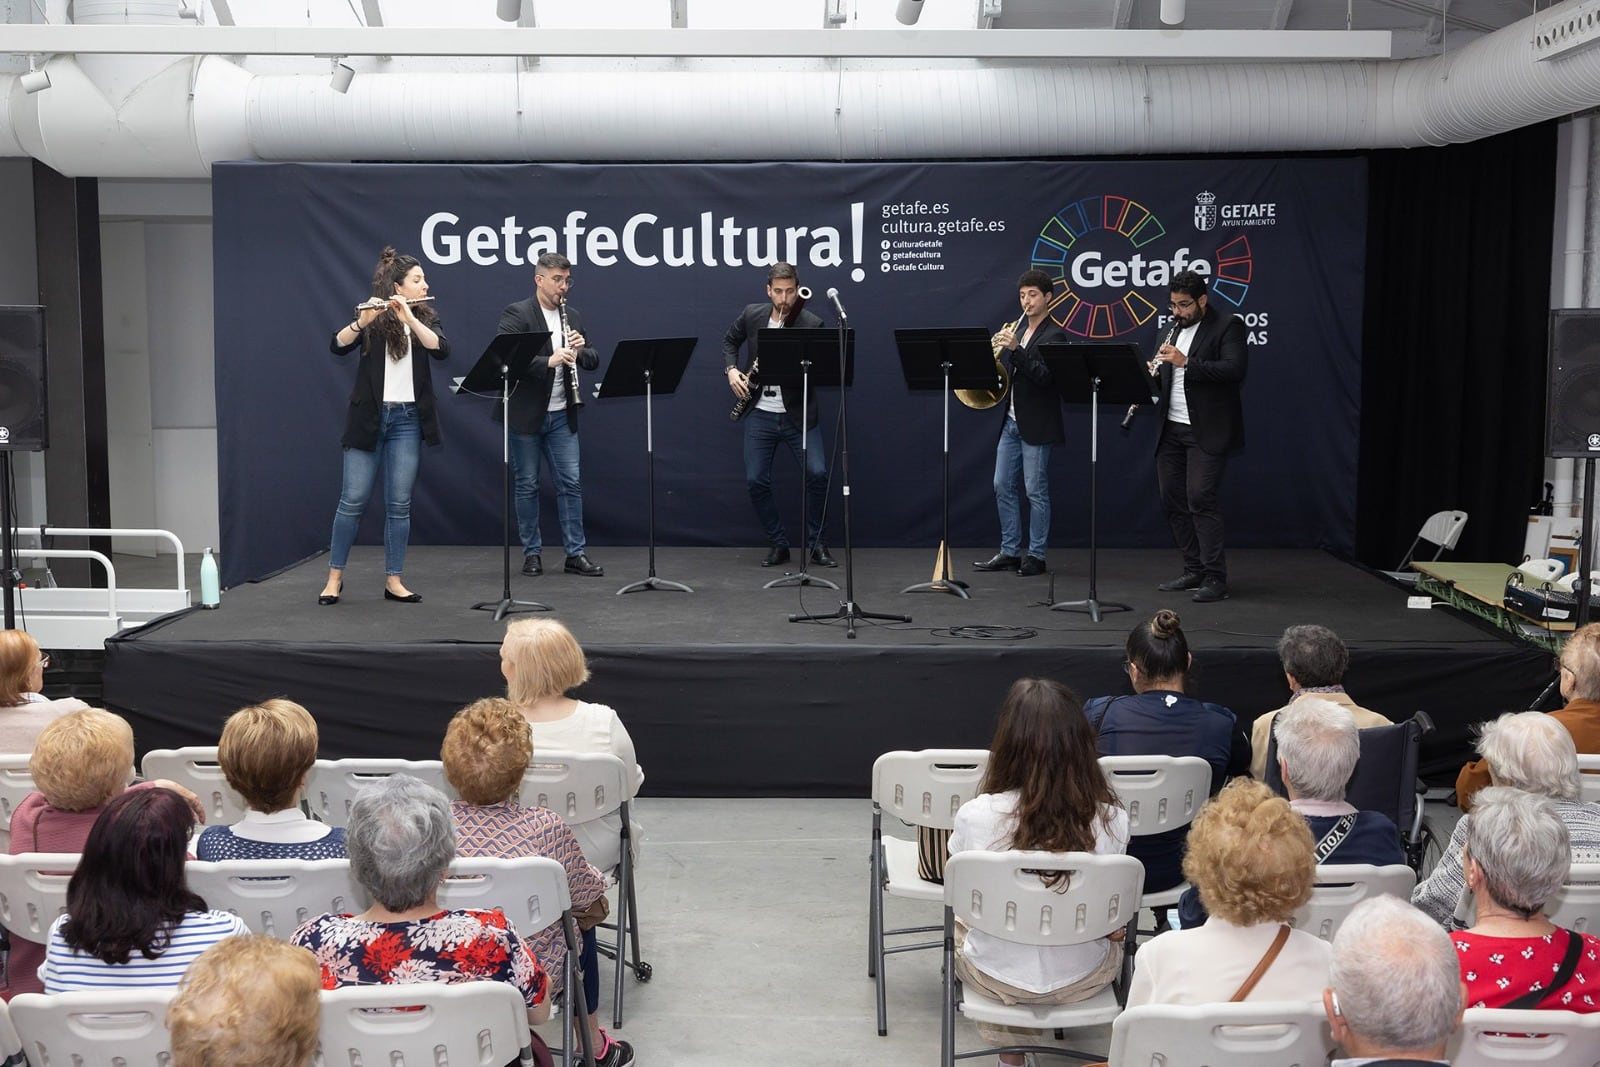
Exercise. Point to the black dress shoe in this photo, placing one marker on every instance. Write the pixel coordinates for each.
(580, 564)
(777, 557)
(532, 565)
(999, 562)
(1031, 565)
(1211, 591)
(409, 598)
(822, 558)
(327, 599)
(1183, 582)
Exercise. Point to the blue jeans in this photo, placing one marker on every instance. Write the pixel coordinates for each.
(764, 431)
(1014, 457)
(399, 449)
(559, 446)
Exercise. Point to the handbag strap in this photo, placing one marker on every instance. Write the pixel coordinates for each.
(1261, 968)
(1569, 964)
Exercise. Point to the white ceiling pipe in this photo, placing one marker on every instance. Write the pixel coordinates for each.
(1172, 13)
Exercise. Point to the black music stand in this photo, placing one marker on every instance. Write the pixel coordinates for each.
(961, 358)
(791, 357)
(505, 361)
(1091, 373)
(644, 368)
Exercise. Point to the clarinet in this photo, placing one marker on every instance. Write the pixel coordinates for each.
(1155, 369)
(573, 399)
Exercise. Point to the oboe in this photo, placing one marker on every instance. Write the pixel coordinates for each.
(573, 399)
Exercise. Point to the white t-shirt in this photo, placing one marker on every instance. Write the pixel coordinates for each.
(398, 388)
(558, 388)
(1178, 403)
(595, 728)
(985, 824)
(771, 398)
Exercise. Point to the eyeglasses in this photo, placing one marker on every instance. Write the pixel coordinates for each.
(1187, 305)
(44, 659)
(559, 283)
(1128, 668)
(1559, 666)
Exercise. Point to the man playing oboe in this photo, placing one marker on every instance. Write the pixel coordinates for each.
(544, 415)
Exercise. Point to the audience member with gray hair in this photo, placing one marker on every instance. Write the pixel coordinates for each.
(1317, 753)
(401, 840)
(1579, 673)
(1314, 661)
(1525, 750)
(1395, 993)
(1513, 956)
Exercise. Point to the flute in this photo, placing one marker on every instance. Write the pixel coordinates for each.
(375, 304)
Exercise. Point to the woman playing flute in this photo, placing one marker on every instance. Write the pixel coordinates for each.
(391, 407)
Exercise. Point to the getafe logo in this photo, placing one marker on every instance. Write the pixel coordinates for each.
(1205, 211)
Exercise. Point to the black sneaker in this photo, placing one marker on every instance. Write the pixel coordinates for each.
(617, 1054)
(1211, 591)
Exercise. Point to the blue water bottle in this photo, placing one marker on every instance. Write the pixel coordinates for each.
(210, 594)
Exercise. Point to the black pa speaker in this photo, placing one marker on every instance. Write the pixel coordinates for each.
(22, 395)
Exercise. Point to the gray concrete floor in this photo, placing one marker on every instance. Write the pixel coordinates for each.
(754, 916)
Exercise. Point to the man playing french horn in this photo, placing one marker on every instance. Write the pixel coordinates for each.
(544, 415)
(774, 417)
(1031, 427)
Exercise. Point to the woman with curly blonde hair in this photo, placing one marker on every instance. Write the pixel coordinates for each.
(247, 1001)
(1250, 856)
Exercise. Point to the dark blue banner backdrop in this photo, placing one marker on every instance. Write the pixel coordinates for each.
(676, 250)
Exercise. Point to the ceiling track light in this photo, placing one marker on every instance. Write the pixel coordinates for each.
(35, 80)
(343, 75)
(908, 11)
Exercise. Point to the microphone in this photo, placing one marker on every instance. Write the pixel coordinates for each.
(833, 295)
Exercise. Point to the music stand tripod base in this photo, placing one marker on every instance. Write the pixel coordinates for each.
(1092, 606)
(940, 585)
(800, 577)
(653, 582)
(506, 606)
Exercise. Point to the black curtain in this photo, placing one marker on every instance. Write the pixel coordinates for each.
(1459, 244)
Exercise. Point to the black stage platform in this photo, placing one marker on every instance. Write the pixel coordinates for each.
(725, 697)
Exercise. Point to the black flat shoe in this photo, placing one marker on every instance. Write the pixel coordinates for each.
(777, 557)
(1031, 565)
(409, 598)
(327, 599)
(999, 562)
(582, 564)
(822, 557)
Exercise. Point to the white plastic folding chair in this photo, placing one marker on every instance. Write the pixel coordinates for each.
(332, 785)
(94, 1028)
(1442, 529)
(196, 768)
(33, 891)
(532, 892)
(583, 787)
(274, 897)
(1161, 793)
(11, 1054)
(1248, 1034)
(426, 1024)
(1589, 777)
(1493, 1037)
(1003, 895)
(16, 782)
(921, 788)
(1576, 905)
(1339, 887)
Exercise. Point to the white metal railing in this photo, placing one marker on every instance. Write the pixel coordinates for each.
(76, 617)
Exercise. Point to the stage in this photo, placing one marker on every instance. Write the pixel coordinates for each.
(725, 697)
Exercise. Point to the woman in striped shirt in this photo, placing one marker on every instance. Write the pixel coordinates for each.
(131, 919)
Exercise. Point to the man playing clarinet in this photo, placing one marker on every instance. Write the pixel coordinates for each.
(544, 415)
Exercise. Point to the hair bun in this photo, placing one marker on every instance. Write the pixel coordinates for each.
(1166, 624)
(388, 255)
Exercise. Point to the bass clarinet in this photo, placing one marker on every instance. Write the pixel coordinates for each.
(742, 406)
(573, 399)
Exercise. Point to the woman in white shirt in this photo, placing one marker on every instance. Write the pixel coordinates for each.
(1044, 790)
(541, 661)
(26, 710)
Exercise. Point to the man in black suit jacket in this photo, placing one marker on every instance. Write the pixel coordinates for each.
(1202, 365)
(1030, 429)
(544, 419)
(1395, 993)
(774, 418)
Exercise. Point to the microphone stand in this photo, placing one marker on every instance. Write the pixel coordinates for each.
(849, 611)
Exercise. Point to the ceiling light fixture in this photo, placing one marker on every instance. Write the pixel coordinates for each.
(1172, 13)
(908, 11)
(508, 10)
(343, 75)
(35, 80)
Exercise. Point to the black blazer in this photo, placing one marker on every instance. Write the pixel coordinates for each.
(1034, 391)
(365, 417)
(753, 319)
(530, 398)
(1211, 381)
